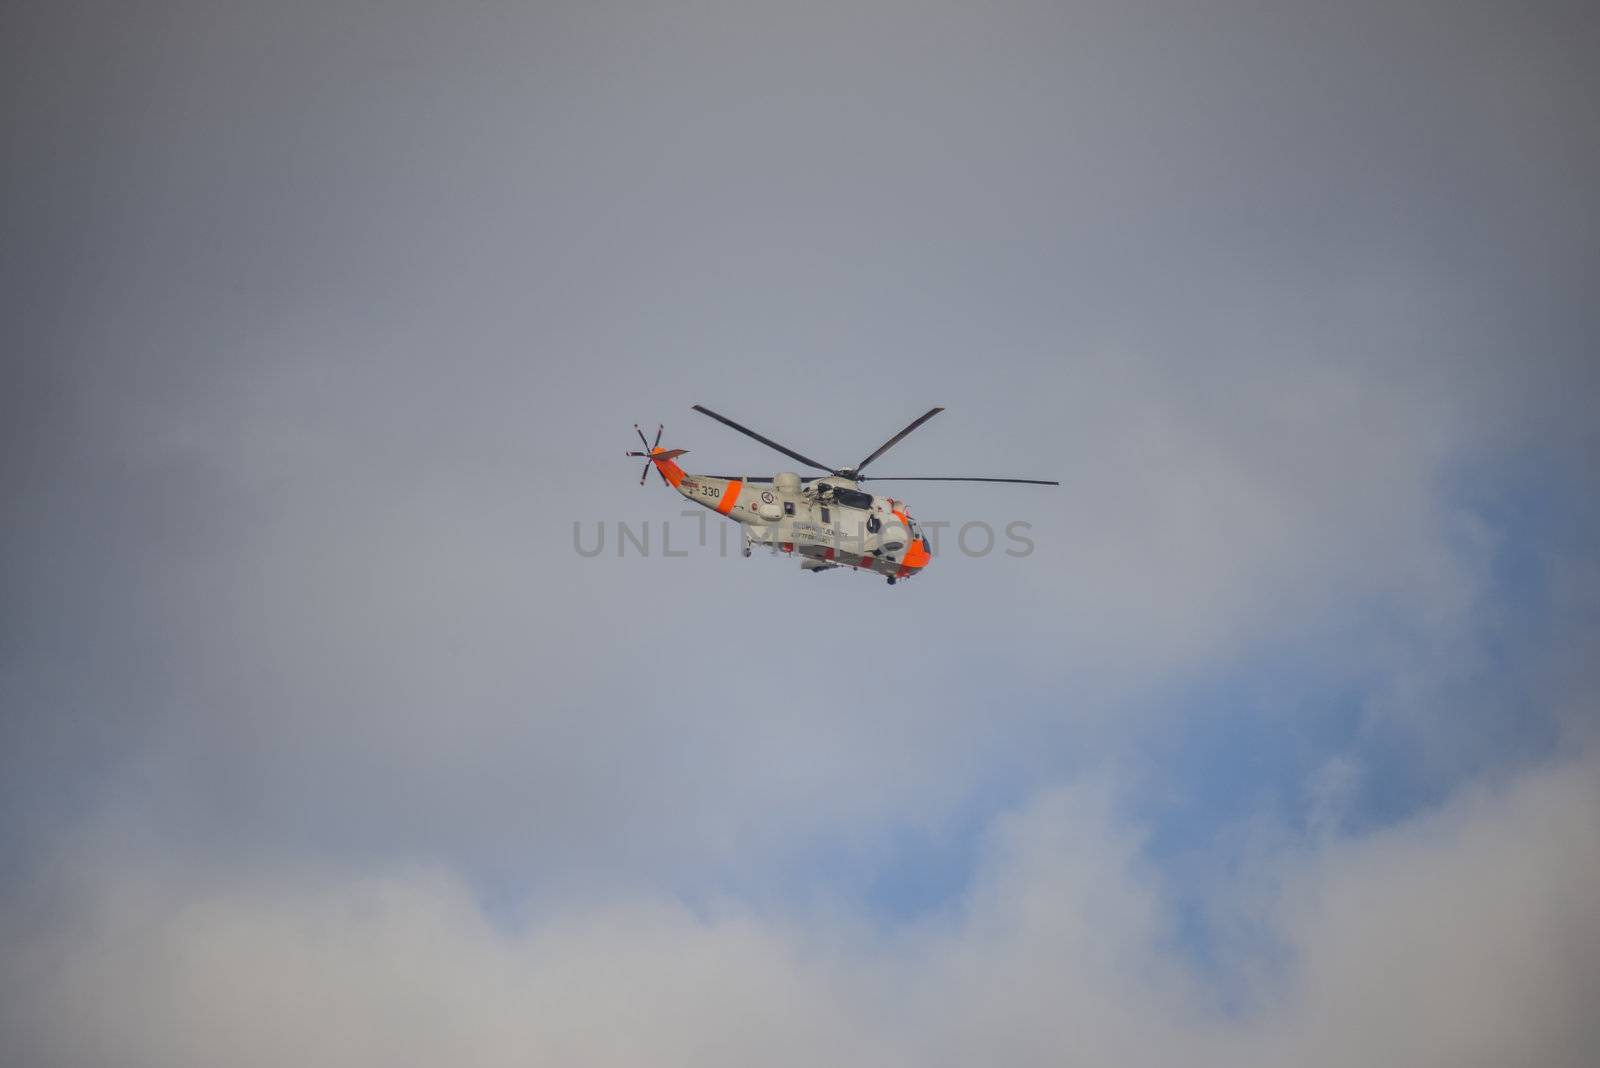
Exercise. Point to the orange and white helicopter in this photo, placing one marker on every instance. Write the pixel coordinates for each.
(827, 520)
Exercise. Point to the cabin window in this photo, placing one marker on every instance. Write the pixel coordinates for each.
(788, 508)
(825, 518)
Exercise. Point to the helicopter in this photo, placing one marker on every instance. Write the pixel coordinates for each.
(826, 521)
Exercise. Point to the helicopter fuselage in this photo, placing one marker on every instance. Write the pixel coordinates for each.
(832, 522)
(826, 522)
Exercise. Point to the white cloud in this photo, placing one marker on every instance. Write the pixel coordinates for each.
(1468, 935)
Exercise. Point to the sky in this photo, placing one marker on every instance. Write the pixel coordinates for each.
(327, 327)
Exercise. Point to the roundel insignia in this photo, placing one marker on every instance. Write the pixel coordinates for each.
(766, 496)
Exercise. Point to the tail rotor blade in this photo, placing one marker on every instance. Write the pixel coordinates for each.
(644, 440)
(659, 428)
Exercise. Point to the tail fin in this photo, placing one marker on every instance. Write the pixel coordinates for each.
(670, 472)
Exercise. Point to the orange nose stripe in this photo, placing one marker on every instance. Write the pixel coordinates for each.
(730, 497)
(917, 554)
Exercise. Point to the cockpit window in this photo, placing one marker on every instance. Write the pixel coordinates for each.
(852, 498)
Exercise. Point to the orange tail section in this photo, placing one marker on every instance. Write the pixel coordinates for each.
(670, 471)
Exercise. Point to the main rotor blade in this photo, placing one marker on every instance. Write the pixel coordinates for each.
(944, 478)
(765, 441)
(886, 446)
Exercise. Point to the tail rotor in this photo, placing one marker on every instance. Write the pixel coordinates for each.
(652, 452)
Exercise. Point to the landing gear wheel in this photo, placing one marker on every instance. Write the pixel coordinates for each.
(891, 580)
(746, 550)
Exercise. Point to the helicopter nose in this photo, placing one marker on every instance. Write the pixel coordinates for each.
(916, 557)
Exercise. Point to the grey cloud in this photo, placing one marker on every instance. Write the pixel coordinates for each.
(330, 319)
(337, 321)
